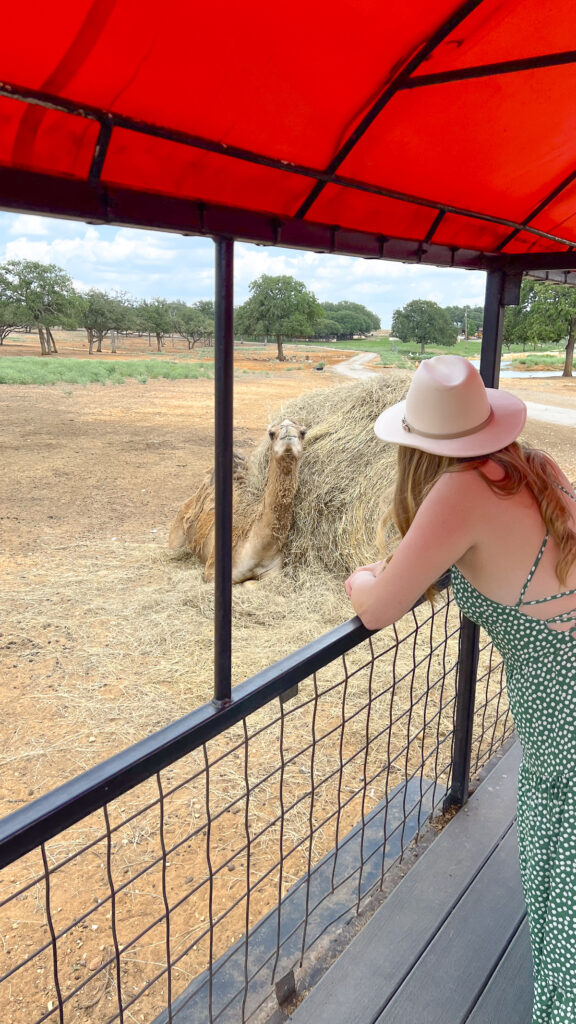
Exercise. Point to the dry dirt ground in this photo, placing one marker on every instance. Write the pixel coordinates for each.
(103, 639)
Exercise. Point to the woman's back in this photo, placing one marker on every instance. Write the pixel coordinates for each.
(510, 537)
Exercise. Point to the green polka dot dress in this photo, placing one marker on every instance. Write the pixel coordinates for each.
(540, 661)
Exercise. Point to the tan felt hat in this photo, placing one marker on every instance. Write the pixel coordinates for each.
(448, 411)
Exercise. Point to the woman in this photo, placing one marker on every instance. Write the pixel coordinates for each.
(468, 495)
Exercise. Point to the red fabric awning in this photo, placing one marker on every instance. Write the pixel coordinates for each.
(430, 130)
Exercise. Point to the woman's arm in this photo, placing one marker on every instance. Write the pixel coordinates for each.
(446, 526)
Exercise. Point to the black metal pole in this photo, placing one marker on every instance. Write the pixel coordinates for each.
(464, 718)
(490, 354)
(491, 350)
(223, 439)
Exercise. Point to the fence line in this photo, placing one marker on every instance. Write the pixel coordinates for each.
(185, 878)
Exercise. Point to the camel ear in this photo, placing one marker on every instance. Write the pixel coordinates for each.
(271, 433)
(303, 432)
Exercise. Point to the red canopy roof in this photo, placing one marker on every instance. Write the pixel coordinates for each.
(428, 130)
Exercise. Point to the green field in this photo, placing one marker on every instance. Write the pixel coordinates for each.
(529, 362)
(396, 353)
(38, 370)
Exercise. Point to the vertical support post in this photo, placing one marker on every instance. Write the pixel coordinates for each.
(490, 355)
(223, 440)
(464, 718)
(491, 350)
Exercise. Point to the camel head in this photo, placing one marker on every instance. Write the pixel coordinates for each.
(286, 439)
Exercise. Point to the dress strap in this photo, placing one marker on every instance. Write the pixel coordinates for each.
(566, 491)
(553, 597)
(535, 565)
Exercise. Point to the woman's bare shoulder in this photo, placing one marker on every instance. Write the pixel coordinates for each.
(460, 482)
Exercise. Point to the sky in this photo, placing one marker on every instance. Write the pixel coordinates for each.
(152, 263)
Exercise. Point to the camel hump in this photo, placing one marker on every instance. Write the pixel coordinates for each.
(239, 468)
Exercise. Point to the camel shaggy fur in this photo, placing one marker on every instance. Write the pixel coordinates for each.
(260, 525)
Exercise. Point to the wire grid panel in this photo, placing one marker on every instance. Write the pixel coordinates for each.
(189, 897)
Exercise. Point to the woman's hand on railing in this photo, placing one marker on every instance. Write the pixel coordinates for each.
(373, 569)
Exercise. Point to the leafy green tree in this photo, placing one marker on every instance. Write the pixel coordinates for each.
(155, 318)
(421, 322)
(468, 319)
(328, 328)
(102, 314)
(42, 294)
(206, 307)
(96, 317)
(281, 307)
(546, 314)
(346, 320)
(193, 323)
(11, 318)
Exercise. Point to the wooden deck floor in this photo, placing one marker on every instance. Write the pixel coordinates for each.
(450, 944)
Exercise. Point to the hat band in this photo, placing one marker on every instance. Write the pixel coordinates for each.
(447, 437)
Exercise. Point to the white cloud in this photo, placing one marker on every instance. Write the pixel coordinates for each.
(89, 247)
(27, 224)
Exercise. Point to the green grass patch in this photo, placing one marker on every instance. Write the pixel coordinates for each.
(54, 370)
(528, 362)
(405, 356)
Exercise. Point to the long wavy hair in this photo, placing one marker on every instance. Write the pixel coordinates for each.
(522, 467)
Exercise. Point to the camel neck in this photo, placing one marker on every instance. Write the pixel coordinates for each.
(279, 494)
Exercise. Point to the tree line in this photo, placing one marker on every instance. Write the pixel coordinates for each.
(36, 296)
(545, 315)
(40, 297)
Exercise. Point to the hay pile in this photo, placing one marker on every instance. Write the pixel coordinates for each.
(345, 475)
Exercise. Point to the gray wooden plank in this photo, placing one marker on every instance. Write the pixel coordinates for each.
(510, 992)
(449, 977)
(360, 982)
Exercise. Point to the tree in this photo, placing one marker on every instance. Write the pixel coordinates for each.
(546, 313)
(96, 314)
(279, 306)
(346, 320)
(155, 318)
(42, 294)
(468, 319)
(422, 322)
(193, 323)
(11, 318)
(102, 314)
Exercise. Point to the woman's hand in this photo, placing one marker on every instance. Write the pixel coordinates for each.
(372, 570)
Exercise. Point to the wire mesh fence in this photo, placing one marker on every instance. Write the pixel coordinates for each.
(191, 895)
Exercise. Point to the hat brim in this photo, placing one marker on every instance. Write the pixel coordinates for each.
(508, 419)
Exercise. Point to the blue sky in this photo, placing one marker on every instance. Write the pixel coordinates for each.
(152, 263)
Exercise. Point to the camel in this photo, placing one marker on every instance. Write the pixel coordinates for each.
(260, 527)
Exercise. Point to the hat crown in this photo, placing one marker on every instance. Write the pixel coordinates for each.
(447, 397)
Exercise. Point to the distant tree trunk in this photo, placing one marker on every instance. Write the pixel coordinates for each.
(44, 345)
(281, 356)
(422, 346)
(159, 341)
(567, 371)
(91, 339)
(113, 342)
(99, 335)
(51, 342)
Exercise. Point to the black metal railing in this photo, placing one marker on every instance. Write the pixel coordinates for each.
(185, 878)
